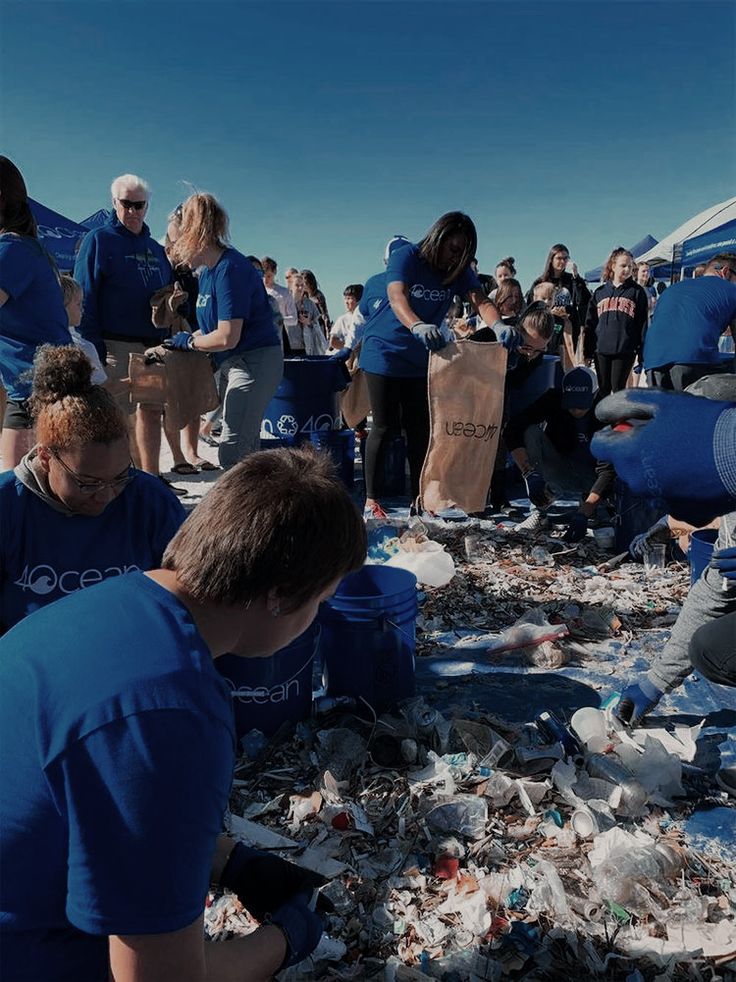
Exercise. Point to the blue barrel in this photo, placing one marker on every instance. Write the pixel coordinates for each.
(368, 636)
(269, 691)
(700, 551)
(635, 513)
(392, 479)
(307, 397)
(546, 374)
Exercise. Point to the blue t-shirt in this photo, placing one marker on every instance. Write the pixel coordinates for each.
(45, 554)
(687, 322)
(119, 272)
(374, 294)
(32, 315)
(116, 753)
(233, 290)
(389, 348)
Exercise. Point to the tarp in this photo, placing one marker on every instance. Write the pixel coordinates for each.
(668, 250)
(594, 275)
(701, 248)
(57, 234)
(96, 219)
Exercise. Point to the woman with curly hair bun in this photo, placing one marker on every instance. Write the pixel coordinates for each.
(75, 511)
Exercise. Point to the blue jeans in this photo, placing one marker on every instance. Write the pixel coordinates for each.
(248, 381)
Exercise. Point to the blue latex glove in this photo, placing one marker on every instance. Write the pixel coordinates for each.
(342, 355)
(182, 341)
(302, 928)
(683, 451)
(636, 701)
(430, 334)
(658, 533)
(638, 368)
(576, 527)
(264, 882)
(536, 489)
(725, 562)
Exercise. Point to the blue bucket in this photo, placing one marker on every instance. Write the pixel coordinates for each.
(340, 444)
(369, 636)
(635, 513)
(307, 397)
(700, 551)
(270, 691)
(545, 375)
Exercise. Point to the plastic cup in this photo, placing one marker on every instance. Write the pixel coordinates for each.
(590, 727)
(583, 823)
(654, 559)
(473, 548)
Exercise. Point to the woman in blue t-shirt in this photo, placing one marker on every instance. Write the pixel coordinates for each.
(421, 281)
(74, 512)
(31, 308)
(236, 325)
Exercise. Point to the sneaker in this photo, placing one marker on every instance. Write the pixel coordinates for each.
(179, 492)
(374, 511)
(534, 522)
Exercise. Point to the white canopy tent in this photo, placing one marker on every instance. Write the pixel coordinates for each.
(667, 250)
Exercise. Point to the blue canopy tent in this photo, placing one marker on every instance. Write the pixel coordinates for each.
(594, 275)
(98, 218)
(57, 234)
(703, 247)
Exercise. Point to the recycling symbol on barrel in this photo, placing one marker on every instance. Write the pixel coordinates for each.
(287, 425)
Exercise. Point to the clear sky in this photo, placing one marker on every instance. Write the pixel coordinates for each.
(326, 127)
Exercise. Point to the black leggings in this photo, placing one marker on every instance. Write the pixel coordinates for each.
(713, 650)
(396, 403)
(613, 372)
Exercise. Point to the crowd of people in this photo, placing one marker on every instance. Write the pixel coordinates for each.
(115, 606)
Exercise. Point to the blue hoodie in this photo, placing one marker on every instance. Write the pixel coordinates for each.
(119, 272)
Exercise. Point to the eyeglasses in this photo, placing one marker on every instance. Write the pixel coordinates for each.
(93, 487)
(136, 205)
(530, 351)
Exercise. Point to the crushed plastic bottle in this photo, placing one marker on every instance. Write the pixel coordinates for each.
(623, 878)
(539, 556)
(465, 814)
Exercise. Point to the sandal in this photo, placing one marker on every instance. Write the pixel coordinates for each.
(205, 465)
(185, 468)
(179, 492)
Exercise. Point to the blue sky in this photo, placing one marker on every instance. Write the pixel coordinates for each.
(325, 128)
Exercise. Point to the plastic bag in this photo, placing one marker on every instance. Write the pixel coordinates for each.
(431, 565)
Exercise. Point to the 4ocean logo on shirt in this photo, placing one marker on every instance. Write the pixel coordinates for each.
(421, 292)
(43, 579)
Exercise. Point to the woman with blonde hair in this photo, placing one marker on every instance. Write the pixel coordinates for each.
(236, 325)
(75, 511)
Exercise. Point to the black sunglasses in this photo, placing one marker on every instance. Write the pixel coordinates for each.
(138, 205)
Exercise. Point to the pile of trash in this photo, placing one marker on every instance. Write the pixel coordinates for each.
(479, 848)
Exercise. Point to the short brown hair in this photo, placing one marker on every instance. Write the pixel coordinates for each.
(69, 288)
(269, 264)
(537, 319)
(70, 411)
(280, 520)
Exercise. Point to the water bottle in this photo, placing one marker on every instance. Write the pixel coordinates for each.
(556, 732)
(609, 768)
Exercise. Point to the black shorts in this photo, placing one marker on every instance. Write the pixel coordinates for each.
(17, 415)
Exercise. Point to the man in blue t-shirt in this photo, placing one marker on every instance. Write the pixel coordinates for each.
(681, 344)
(117, 741)
(120, 266)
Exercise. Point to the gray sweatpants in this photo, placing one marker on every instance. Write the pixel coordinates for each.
(704, 603)
(248, 380)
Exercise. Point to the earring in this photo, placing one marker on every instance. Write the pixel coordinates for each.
(275, 610)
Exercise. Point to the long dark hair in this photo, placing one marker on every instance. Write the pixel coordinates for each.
(15, 212)
(549, 273)
(431, 245)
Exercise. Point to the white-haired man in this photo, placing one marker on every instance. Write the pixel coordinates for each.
(120, 266)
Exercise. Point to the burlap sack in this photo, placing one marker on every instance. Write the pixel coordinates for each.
(465, 386)
(182, 380)
(162, 315)
(355, 403)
